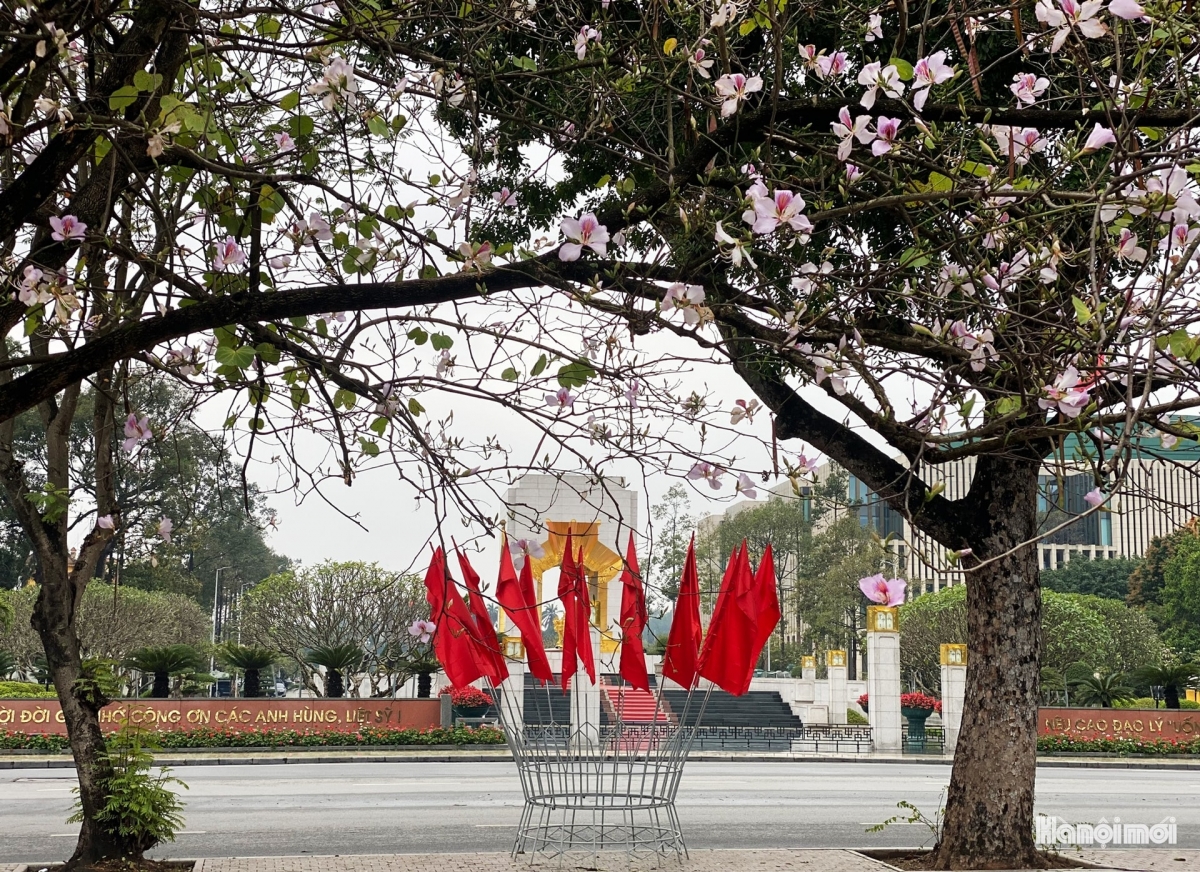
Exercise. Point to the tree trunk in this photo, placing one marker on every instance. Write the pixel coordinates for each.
(252, 687)
(424, 685)
(989, 806)
(162, 685)
(1171, 696)
(334, 689)
(54, 619)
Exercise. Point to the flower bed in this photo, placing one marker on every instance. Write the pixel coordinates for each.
(920, 701)
(1117, 747)
(467, 697)
(207, 738)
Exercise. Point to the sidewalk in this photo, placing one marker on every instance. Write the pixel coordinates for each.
(804, 860)
(269, 756)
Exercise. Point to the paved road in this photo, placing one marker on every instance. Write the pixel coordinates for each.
(362, 808)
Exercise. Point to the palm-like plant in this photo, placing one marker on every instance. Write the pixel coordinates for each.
(163, 662)
(251, 660)
(1102, 690)
(1171, 677)
(337, 660)
(8, 665)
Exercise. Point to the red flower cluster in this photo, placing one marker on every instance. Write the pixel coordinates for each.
(920, 701)
(467, 697)
(862, 700)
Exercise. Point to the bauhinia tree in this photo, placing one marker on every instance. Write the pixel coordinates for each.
(925, 236)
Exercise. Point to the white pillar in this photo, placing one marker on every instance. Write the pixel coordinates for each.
(585, 701)
(954, 691)
(512, 701)
(835, 667)
(883, 678)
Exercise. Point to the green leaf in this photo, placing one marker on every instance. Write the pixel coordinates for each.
(267, 352)
(145, 81)
(1006, 406)
(290, 101)
(604, 180)
(509, 374)
(903, 67)
(539, 367)
(415, 408)
(344, 398)
(123, 98)
(575, 375)
(441, 342)
(379, 425)
(241, 356)
(369, 447)
(418, 336)
(1082, 313)
(975, 168)
(378, 126)
(231, 421)
(748, 27)
(913, 259)
(938, 182)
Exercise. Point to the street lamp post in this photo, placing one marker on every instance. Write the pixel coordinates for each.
(212, 661)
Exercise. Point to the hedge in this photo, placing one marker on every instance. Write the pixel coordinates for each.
(209, 738)
(1118, 747)
(24, 690)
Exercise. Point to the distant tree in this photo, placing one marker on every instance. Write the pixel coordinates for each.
(164, 663)
(1172, 677)
(1136, 641)
(1103, 578)
(1102, 689)
(340, 662)
(1179, 598)
(1146, 582)
(926, 623)
(251, 660)
(673, 526)
(1072, 632)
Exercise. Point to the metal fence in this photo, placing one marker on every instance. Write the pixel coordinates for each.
(834, 738)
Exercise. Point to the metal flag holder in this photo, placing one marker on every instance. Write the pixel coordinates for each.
(592, 787)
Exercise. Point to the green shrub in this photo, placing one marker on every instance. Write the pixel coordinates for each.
(141, 808)
(1118, 747)
(854, 719)
(213, 738)
(1146, 702)
(24, 690)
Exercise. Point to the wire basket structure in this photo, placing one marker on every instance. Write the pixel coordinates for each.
(598, 782)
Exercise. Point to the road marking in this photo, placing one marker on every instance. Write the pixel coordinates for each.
(54, 790)
(489, 826)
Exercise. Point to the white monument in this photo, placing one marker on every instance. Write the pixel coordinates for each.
(954, 692)
(835, 669)
(883, 678)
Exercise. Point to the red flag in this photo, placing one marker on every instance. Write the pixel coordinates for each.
(485, 632)
(727, 659)
(767, 600)
(567, 590)
(522, 612)
(453, 643)
(683, 642)
(583, 628)
(633, 621)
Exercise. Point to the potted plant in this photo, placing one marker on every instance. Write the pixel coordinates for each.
(862, 701)
(468, 702)
(916, 708)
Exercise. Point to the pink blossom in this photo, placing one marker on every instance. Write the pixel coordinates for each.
(1021, 143)
(745, 487)
(877, 77)
(1065, 394)
(165, 526)
(1093, 497)
(66, 227)
(1028, 87)
(1098, 138)
(525, 548)
(284, 142)
(743, 411)
(1130, 10)
(782, 207)
(927, 72)
(136, 431)
(885, 591)
(700, 63)
(832, 66)
(586, 34)
(228, 254)
(105, 522)
(733, 88)
(584, 231)
(505, 197)
(1127, 247)
(874, 27)
(847, 130)
(561, 399)
(853, 173)
(707, 471)
(633, 392)
(422, 630)
(337, 82)
(684, 298)
(886, 130)
(1070, 14)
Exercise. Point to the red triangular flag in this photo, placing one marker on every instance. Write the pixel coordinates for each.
(683, 642)
(767, 601)
(633, 621)
(522, 613)
(583, 627)
(453, 638)
(567, 590)
(730, 635)
(485, 632)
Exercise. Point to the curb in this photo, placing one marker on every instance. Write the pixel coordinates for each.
(257, 757)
